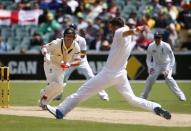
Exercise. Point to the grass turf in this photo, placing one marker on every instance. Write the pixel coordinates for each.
(27, 94)
(18, 123)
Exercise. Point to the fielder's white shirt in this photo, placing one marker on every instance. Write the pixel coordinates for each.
(161, 54)
(55, 51)
(83, 46)
(119, 52)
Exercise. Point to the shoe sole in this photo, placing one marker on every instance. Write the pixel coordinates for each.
(162, 113)
(51, 112)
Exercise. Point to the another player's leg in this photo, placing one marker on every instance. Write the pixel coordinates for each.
(86, 70)
(149, 83)
(174, 86)
(125, 89)
(49, 93)
(88, 89)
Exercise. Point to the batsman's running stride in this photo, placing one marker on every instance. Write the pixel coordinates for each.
(112, 74)
(59, 55)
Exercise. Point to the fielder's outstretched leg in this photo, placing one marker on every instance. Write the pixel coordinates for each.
(125, 89)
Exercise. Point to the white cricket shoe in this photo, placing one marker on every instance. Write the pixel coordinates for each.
(104, 98)
(182, 98)
(57, 113)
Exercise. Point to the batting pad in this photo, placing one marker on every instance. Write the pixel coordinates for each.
(51, 91)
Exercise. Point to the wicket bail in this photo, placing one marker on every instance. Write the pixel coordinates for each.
(5, 87)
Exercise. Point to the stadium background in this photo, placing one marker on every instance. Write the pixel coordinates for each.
(25, 25)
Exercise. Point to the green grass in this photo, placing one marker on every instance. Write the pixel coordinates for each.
(18, 123)
(27, 94)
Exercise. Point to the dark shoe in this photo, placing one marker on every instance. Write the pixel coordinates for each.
(59, 97)
(57, 113)
(163, 113)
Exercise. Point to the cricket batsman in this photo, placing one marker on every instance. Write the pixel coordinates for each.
(59, 55)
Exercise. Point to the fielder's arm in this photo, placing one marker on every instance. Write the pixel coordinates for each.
(133, 31)
(149, 59)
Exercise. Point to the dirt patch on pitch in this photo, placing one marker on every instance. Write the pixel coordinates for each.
(107, 116)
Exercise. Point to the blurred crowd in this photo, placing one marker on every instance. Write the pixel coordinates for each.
(172, 17)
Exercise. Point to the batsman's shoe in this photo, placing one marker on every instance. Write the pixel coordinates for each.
(57, 113)
(42, 105)
(163, 113)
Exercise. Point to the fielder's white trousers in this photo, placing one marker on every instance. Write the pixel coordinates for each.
(84, 69)
(159, 69)
(101, 81)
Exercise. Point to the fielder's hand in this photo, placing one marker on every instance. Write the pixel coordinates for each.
(165, 73)
(65, 65)
(151, 71)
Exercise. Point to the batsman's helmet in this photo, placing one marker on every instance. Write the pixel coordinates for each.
(69, 31)
(74, 26)
(158, 35)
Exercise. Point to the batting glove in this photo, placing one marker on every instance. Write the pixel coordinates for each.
(47, 58)
(65, 65)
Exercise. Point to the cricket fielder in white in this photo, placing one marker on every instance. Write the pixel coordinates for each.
(113, 74)
(84, 67)
(57, 58)
(160, 60)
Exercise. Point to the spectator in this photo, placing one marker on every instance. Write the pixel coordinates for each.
(113, 9)
(73, 5)
(153, 8)
(162, 20)
(81, 23)
(105, 46)
(96, 43)
(4, 46)
(144, 40)
(172, 10)
(65, 8)
(43, 17)
(50, 25)
(91, 32)
(36, 42)
(173, 35)
(33, 44)
(2, 6)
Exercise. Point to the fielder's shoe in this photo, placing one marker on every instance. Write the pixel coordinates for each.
(104, 98)
(163, 113)
(57, 113)
(182, 98)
